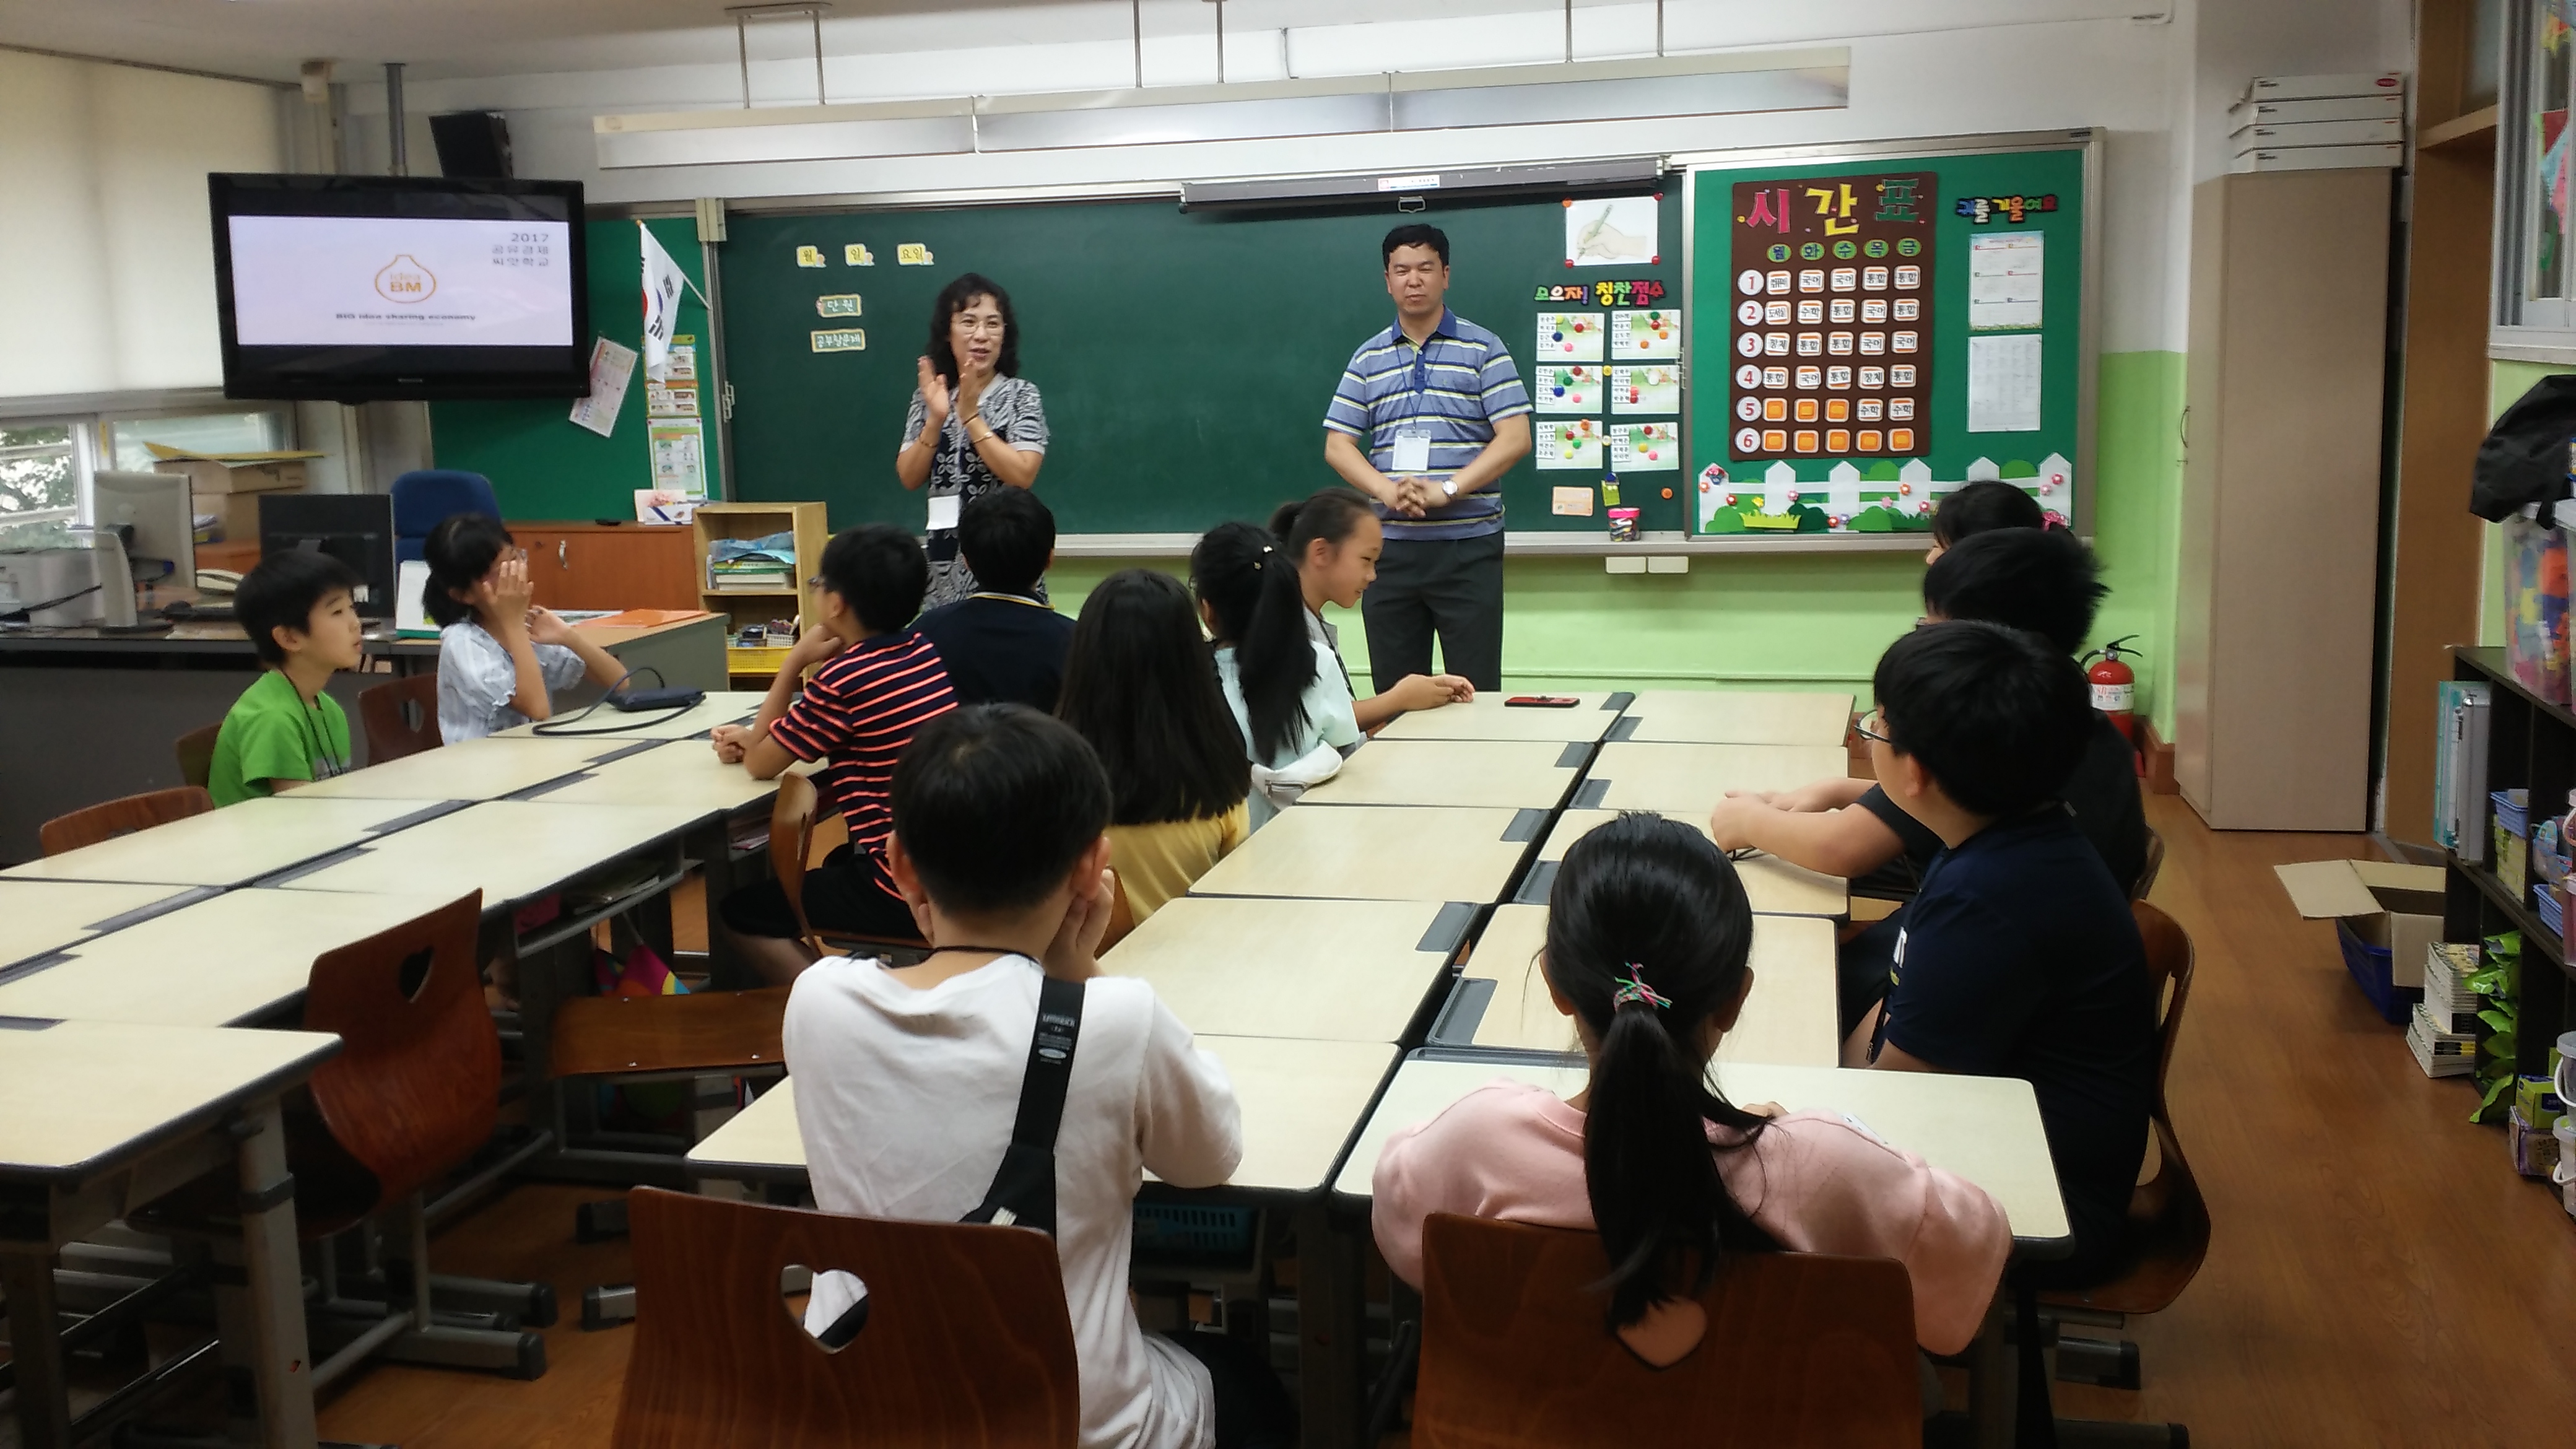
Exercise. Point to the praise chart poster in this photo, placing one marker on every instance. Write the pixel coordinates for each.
(1832, 295)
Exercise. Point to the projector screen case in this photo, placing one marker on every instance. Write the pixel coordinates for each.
(366, 288)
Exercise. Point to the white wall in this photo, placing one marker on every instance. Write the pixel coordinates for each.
(104, 239)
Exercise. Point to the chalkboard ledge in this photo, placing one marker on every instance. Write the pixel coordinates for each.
(1534, 544)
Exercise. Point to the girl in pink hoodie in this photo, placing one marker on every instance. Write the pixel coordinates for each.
(1647, 938)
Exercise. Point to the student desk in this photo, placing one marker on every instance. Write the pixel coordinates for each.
(1985, 1129)
(1736, 717)
(236, 844)
(1502, 1000)
(1516, 774)
(1379, 853)
(1775, 887)
(234, 959)
(484, 769)
(40, 916)
(112, 706)
(511, 850)
(1690, 779)
(98, 1118)
(732, 706)
(1487, 717)
(1322, 970)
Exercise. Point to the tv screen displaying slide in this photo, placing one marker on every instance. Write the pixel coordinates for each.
(372, 287)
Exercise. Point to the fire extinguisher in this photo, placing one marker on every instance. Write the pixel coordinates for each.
(2115, 685)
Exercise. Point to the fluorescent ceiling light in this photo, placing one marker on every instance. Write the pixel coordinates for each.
(1268, 110)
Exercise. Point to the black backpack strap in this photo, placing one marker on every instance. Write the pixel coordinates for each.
(1023, 1190)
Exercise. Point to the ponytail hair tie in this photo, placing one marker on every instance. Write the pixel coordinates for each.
(1633, 987)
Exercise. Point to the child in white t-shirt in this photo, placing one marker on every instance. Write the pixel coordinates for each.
(908, 1079)
(499, 659)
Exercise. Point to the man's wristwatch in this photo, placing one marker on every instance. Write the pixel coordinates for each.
(1448, 488)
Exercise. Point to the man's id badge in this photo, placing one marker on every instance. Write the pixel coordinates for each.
(1412, 452)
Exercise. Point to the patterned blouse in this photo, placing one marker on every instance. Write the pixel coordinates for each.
(1011, 408)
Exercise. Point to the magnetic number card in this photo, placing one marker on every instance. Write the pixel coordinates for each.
(844, 339)
(1833, 315)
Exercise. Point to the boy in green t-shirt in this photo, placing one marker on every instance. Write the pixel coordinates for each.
(299, 610)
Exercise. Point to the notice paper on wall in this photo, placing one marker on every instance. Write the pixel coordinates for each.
(679, 456)
(2004, 270)
(612, 366)
(2003, 384)
(1572, 444)
(1609, 231)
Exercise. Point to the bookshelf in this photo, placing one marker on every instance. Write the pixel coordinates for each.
(2531, 745)
(744, 606)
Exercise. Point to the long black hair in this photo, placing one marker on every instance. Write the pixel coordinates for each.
(1644, 905)
(1140, 685)
(1330, 514)
(955, 298)
(459, 552)
(1983, 507)
(1250, 583)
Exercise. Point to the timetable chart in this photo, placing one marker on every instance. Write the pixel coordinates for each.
(1832, 332)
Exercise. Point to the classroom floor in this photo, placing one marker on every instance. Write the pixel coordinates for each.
(2378, 1274)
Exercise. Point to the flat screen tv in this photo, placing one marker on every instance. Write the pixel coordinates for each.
(359, 288)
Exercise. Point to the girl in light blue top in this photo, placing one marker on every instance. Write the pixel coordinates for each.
(1285, 687)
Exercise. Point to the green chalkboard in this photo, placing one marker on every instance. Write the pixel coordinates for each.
(542, 464)
(1185, 359)
(2034, 198)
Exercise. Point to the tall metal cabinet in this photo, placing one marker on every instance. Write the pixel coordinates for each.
(2277, 599)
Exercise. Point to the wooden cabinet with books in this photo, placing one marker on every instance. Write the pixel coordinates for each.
(754, 563)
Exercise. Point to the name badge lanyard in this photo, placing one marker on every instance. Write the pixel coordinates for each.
(1413, 427)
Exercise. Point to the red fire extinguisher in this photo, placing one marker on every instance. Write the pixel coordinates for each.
(2115, 686)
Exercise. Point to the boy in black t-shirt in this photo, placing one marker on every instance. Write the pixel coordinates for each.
(2019, 957)
(1002, 644)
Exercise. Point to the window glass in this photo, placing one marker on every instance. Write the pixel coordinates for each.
(243, 432)
(39, 468)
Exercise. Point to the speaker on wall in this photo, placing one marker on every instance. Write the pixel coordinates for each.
(472, 143)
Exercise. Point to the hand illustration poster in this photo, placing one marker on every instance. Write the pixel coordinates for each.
(1832, 298)
(1612, 231)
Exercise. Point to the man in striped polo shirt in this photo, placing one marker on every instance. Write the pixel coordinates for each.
(1442, 414)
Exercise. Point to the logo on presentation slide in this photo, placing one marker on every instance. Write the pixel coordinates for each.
(405, 280)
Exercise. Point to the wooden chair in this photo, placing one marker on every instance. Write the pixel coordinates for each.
(400, 718)
(1801, 1348)
(2168, 1219)
(791, 845)
(413, 1094)
(196, 751)
(966, 1343)
(122, 817)
(2147, 872)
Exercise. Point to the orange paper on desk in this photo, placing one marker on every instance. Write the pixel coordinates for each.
(641, 619)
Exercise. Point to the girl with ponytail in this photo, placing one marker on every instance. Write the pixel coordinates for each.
(1333, 540)
(1648, 941)
(1285, 688)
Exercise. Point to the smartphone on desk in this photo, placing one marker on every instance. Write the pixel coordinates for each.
(1541, 701)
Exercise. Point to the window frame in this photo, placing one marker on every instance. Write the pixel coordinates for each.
(2521, 326)
(83, 458)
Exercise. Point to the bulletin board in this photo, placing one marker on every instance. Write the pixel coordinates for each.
(1874, 327)
(1186, 359)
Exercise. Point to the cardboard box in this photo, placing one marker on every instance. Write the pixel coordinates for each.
(2272, 135)
(236, 514)
(2324, 87)
(2320, 158)
(2386, 917)
(2389, 107)
(216, 477)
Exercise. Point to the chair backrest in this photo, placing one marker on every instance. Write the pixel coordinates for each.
(1801, 1348)
(967, 1340)
(2170, 963)
(2155, 861)
(424, 496)
(400, 718)
(122, 817)
(703, 1031)
(791, 835)
(417, 1083)
(196, 750)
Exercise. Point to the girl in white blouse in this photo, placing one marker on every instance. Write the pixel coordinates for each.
(499, 658)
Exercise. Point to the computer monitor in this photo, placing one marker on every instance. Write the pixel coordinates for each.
(161, 523)
(355, 528)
